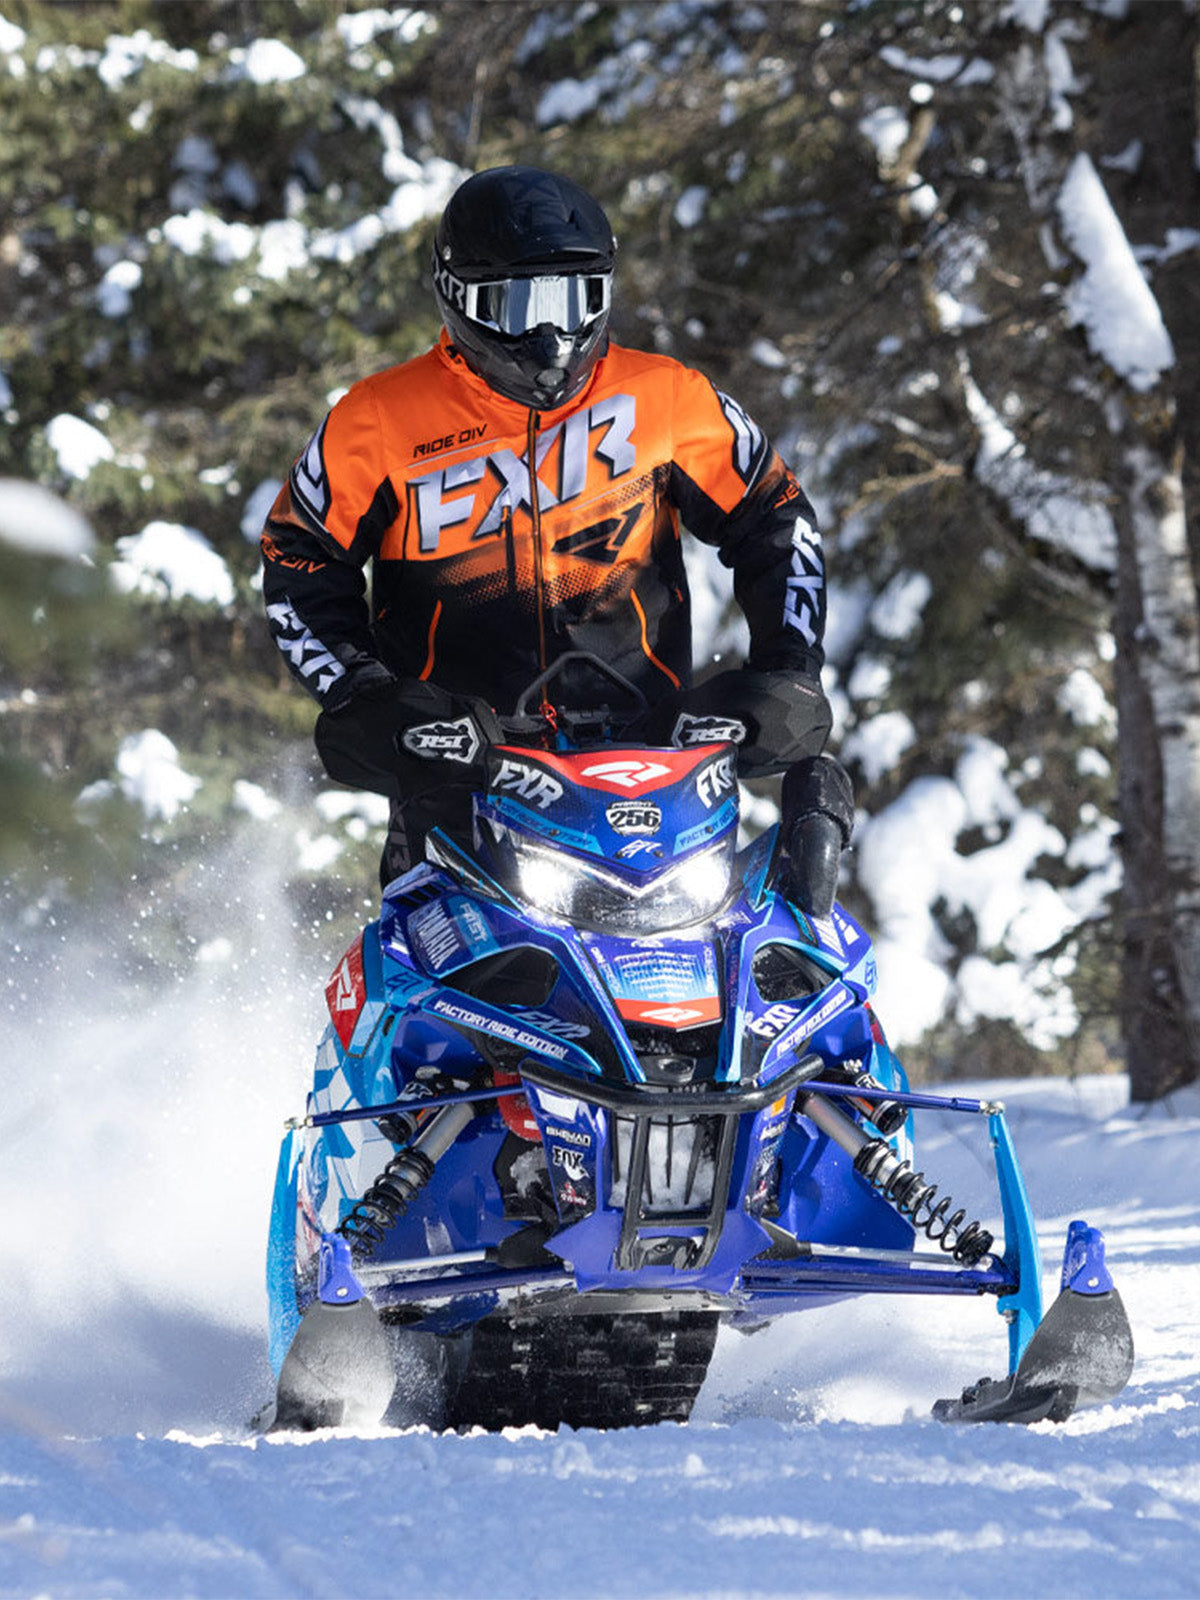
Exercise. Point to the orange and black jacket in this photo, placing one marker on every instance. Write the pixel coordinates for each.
(501, 538)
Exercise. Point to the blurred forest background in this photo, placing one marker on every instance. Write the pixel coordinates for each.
(216, 214)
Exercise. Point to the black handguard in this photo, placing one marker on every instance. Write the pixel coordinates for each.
(406, 736)
(774, 718)
(815, 827)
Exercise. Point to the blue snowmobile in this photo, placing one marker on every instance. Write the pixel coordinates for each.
(600, 1083)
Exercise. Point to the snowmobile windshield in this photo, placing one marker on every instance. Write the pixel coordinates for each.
(588, 894)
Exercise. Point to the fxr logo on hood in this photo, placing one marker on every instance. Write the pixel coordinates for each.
(718, 778)
(535, 787)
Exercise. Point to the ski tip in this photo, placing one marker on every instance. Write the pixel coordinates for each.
(1080, 1355)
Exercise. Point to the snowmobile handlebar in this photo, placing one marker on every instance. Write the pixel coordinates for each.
(535, 715)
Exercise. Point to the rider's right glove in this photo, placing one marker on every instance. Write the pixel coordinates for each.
(400, 735)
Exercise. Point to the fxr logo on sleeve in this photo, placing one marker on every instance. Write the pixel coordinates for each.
(308, 656)
(801, 606)
(440, 504)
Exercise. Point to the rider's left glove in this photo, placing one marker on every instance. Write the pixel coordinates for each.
(394, 736)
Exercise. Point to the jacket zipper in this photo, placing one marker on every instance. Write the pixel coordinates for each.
(510, 551)
(535, 516)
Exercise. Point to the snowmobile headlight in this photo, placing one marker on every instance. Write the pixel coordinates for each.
(587, 893)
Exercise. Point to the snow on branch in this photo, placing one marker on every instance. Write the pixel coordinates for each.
(1112, 300)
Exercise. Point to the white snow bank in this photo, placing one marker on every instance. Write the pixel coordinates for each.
(171, 562)
(1112, 300)
(33, 519)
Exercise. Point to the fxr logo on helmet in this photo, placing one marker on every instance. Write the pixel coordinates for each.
(448, 286)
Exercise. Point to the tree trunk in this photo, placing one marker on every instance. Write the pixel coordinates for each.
(1158, 704)
(1146, 65)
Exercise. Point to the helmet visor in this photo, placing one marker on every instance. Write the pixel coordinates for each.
(518, 305)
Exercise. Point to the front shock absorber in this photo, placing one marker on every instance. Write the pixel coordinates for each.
(397, 1186)
(909, 1191)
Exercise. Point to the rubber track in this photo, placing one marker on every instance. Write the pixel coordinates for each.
(590, 1371)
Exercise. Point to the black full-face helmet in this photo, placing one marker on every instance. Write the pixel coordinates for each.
(522, 271)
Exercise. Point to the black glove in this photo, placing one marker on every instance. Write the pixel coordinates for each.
(405, 736)
(774, 718)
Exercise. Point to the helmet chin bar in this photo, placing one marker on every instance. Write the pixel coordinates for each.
(542, 370)
(551, 379)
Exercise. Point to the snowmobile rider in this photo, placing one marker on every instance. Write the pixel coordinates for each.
(519, 491)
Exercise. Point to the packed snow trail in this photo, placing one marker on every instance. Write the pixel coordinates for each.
(141, 1122)
(753, 1509)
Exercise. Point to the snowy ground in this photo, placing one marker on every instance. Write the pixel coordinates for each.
(140, 1135)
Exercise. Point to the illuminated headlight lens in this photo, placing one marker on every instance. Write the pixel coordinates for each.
(582, 892)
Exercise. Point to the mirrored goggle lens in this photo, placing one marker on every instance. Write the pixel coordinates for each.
(517, 305)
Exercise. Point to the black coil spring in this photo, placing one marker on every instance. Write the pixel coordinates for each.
(385, 1202)
(916, 1199)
